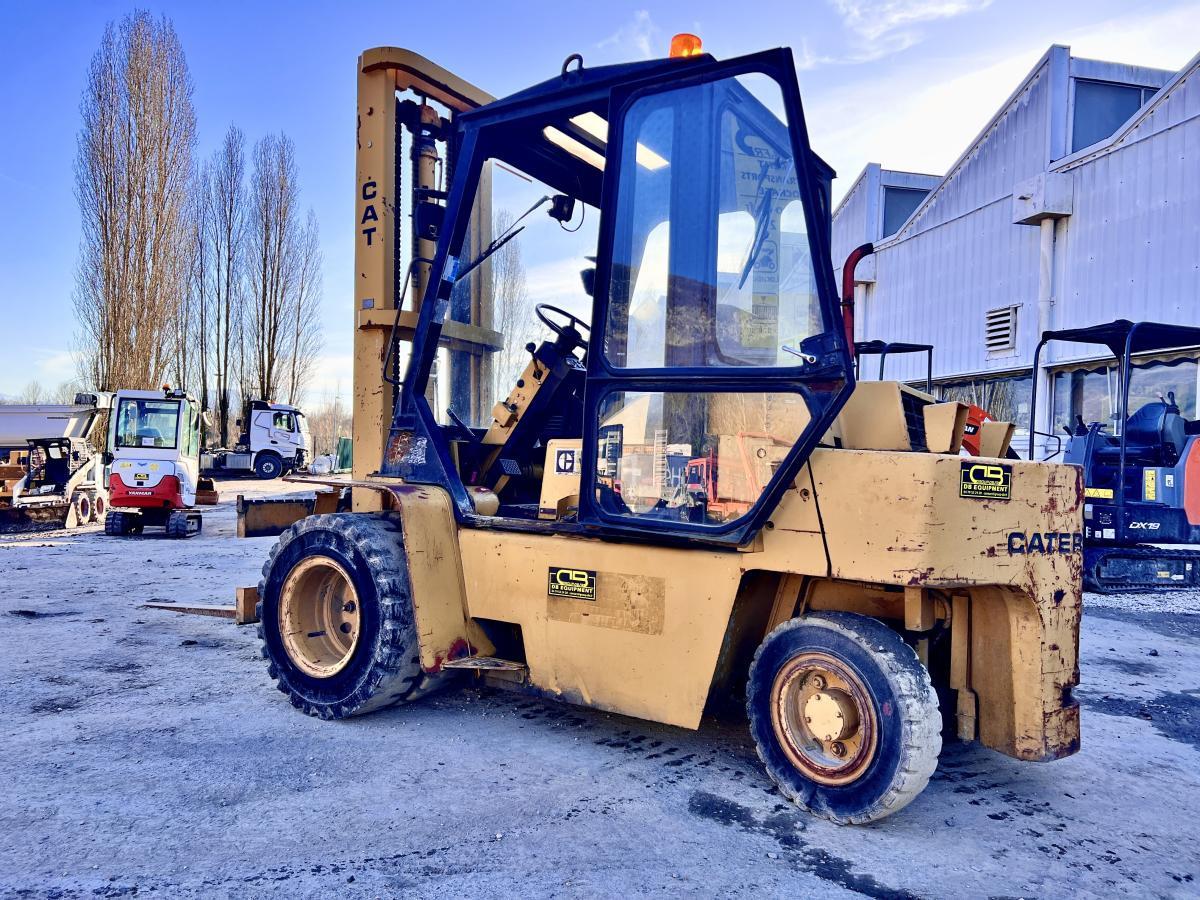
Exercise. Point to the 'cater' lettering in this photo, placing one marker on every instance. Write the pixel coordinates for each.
(1020, 543)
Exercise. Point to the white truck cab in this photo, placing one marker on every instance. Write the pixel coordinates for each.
(274, 441)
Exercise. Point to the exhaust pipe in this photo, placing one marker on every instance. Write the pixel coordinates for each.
(852, 261)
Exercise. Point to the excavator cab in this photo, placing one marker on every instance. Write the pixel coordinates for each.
(712, 308)
(1141, 466)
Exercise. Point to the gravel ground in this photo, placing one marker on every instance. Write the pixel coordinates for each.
(147, 752)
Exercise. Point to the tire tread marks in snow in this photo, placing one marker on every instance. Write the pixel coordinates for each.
(907, 757)
(386, 667)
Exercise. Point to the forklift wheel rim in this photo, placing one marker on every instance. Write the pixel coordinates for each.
(812, 696)
(319, 616)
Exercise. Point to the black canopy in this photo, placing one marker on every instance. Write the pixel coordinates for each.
(1147, 336)
(880, 347)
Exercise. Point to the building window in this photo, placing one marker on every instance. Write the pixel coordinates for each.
(1101, 107)
(898, 205)
(1094, 394)
(1005, 398)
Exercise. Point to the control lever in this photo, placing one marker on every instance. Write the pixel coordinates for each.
(462, 426)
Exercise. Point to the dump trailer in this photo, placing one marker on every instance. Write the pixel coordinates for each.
(50, 474)
(837, 566)
(274, 441)
(1141, 467)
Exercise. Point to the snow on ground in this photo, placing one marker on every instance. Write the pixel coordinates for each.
(147, 750)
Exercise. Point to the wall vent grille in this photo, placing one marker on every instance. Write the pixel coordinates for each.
(1001, 329)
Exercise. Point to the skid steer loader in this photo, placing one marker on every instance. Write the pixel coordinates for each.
(839, 566)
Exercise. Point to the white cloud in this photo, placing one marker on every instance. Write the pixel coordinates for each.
(921, 117)
(639, 36)
(560, 284)
(880, 28)
(55, 366)
(333, 377)
(874, 19)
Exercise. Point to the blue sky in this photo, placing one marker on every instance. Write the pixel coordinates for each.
(906, 83)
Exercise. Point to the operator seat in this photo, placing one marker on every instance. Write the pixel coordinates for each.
(1154, 436)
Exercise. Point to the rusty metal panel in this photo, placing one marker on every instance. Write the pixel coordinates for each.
(1017, 557)
(647, 645)
(431, 544)
(270, 517)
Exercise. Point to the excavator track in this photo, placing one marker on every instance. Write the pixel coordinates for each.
(1110, 570)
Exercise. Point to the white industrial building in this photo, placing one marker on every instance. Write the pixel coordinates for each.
(1077, 204)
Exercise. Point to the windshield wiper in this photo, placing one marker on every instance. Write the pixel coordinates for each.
(760, 237)
(499, 242)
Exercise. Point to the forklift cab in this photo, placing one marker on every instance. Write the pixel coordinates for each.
(712, 342)
(1137, 468)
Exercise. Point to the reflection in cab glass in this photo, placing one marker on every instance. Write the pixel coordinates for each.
(711, 261)
(703, 458)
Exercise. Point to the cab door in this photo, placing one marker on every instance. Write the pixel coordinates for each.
(717, 360)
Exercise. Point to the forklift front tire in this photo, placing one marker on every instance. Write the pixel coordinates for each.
(844, 716)
(336, 617)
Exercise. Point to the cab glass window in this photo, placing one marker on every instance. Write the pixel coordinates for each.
(694, 457)
(146, 423)
(711, 263)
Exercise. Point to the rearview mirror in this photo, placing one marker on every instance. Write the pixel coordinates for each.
(429, 220)
(562, 208)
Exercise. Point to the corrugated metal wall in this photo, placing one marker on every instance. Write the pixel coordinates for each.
(1130, 249)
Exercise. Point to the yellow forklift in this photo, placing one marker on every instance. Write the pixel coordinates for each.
(856, 583)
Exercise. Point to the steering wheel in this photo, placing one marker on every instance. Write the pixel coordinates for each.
(574, 323)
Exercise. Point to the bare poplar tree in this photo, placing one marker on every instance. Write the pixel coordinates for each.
(283, 273)
(226, 240)
(184, 367)
(273, 199)
(198, 280)
(305, 308)
(512, 308)
(328, 421)
(131, 175)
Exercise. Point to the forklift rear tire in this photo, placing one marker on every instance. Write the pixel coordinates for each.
(844, 716)
(336, 617)
(268, 466)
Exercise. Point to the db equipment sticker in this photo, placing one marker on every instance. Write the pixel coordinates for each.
(985, 481)
(577, 584)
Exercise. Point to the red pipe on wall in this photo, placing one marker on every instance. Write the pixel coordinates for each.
(852, 261)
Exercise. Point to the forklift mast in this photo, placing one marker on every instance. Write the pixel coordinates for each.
(406, 109)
